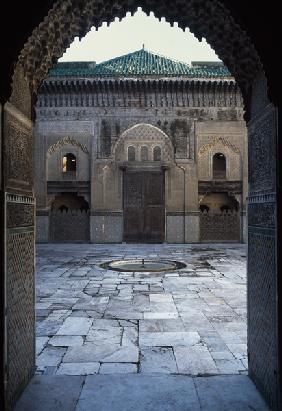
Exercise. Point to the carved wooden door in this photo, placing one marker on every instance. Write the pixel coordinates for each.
(144, 206)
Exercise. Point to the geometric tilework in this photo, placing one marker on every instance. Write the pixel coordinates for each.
(20, 311)
(262, 315)
(20, 301)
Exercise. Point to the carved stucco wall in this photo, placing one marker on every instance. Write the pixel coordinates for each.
(222, 145)
(143, 135)
(55, 155)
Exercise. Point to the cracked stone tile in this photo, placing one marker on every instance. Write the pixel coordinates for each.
(75, 326)
(163, 339)
(229, 366)
(66, 341)
(158, 360)
(41, 342)
(194, 360)
(156, 298)
(102, 353)
(222, 355)
(160, 315)
(160, 325)
(85, 368)
(104, 324)
(46, 327)
(129, 336)
(112, 335)
(118, 368)
(50, 356)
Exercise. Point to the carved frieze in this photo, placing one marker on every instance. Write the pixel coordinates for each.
(217, 141)
(67, 141)
(19, 211)
(262, 152)
(18, 152)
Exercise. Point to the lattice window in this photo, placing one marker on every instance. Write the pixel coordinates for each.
(144, 153)
(131, 156)
(157, 153)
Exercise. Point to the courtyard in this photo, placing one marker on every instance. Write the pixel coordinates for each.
(91, 320)
(154, 341)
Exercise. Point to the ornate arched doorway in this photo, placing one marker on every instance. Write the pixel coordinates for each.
(48, 41)
(143, 152)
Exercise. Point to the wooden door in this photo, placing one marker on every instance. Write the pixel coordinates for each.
(144, 216)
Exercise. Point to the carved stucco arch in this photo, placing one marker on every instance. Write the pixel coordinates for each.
(209, 18)
(231, 152)
(143, 134)
(66, 141)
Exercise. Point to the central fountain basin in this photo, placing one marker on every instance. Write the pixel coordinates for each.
(143, 265)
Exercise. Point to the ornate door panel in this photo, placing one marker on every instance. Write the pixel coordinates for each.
(143, 206)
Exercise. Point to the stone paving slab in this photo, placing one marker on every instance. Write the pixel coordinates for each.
(51, 393)
(138, 393)
(160, 323)
(135, 392)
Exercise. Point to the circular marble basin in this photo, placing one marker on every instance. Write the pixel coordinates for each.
(143, 265)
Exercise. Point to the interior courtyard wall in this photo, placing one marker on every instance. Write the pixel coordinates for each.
(104, 126)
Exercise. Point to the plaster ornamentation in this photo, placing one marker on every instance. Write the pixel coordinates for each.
(217, 141)
(67, 141)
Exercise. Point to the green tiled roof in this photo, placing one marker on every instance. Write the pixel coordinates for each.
(139, 63)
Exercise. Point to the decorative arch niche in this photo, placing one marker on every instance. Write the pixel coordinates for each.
(143, 139)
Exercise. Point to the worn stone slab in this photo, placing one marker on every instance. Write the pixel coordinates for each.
(118, 368)
(50, 356)
(194, 360)
(66, 341)
(159, 325)
(40, 344)
(138, 393)
(129, 336)
(159, 360)
(102, 353)
(176, 338)
(232, 393)
(75, 326)
(85, 368)
(45, 393)
(160, 315)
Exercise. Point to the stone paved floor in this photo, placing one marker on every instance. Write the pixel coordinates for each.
(95, 321)
(140, 393)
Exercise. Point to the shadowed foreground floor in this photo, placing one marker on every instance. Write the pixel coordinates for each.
(140, 393)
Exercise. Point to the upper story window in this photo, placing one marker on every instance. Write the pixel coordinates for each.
(219, 166)
(144, 155)
(69, 162)
(131, 153)
(157, 153)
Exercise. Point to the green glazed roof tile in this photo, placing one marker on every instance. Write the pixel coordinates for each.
(138, 63)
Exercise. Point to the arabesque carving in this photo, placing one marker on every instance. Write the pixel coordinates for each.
(216, 142)
(65, 141)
